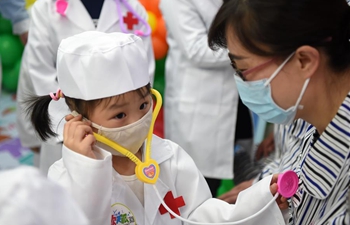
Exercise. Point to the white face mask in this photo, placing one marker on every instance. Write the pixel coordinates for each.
(130, 136)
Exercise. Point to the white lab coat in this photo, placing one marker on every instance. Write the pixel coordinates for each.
(99, 189)
(47, 30)
(201, 98)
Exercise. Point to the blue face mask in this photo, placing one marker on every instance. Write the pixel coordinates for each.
(256, 95)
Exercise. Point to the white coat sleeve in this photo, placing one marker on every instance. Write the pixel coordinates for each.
(41, 56)
(88, 180)
(200, 207)
(185, 24)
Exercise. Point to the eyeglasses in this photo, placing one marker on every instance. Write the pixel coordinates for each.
(243, 73)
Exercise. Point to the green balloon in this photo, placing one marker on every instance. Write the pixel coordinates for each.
(160, 68)
(10, 77)
(11, 49)
(5, 26)
(159, 86)
(159, 76)
(226, 185)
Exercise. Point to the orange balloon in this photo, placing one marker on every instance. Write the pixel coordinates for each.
(160, 32)
(154, 7)
(146, 3)
(152, 21)
(160, 48)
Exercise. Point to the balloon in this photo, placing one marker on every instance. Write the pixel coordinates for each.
(225, 186)
(161, 29)
(160, 48)
(160, 68)
(11, 50)
(152, 21)
(154, 7)
(5, 26)
(10, 77)
(146, 3)
(159, 84)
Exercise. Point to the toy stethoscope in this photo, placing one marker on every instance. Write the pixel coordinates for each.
(61, 7)
(148, 171)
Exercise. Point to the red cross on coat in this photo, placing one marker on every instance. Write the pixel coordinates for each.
(130, 21)
(173, 203)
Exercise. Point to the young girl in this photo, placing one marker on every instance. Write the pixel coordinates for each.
(104, 80)
(52, 21)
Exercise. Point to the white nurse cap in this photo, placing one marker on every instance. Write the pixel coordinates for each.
(27, 197)
(94, 65)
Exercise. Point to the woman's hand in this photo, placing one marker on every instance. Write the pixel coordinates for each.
(78, 136)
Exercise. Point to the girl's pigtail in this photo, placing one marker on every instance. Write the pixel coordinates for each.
(38, 112)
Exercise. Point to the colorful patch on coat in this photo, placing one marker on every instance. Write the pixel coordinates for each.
(122, 215)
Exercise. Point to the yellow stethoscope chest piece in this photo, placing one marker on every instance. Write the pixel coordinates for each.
(147, 171)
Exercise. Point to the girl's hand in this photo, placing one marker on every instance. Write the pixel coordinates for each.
(281, 201)
(78, 136)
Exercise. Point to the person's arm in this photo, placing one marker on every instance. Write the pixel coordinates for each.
(201, 207)
(231, 195)
(265, 147)
(81, 176)
(84, 169)
(188, 29)
(15, 11)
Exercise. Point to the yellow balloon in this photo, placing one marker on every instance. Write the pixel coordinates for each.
(152, 21)
(29, 3)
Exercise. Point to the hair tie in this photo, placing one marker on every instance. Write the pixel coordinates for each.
(57, 96)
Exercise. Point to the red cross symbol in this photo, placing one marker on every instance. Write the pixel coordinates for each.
(130, 20)
(173, 203)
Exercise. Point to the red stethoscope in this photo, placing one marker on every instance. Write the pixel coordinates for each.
(62, 5)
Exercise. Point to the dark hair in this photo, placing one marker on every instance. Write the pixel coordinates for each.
(284, 25)
(37, 109)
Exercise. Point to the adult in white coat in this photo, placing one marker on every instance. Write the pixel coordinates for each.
(201, 100)
(102, 180)
(49, 25)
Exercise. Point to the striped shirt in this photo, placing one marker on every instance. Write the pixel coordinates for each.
(322, 163)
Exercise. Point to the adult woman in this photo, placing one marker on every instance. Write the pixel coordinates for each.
(305, 46)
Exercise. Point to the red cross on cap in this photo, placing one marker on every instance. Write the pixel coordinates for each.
(173, 203)
(130, 21)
